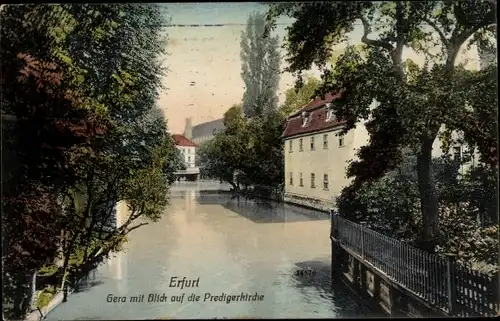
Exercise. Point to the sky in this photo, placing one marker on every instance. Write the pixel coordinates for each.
(204, 63)
(209, 57)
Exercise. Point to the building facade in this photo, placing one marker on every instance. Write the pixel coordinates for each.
(202, 132)
(316, 155)
(188, 152)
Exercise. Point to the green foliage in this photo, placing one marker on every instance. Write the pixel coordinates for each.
(260, 67)
(467, 208)
(265, 163)
(464, 236)
(175, 162)
(248, 151)
(45, 297)
(298, 98)
(82, 81)
(406, 105)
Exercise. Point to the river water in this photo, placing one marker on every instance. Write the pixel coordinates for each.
(231, 246)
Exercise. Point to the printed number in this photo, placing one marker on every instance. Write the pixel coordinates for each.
(307, 272)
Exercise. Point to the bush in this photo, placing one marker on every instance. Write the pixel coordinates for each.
(45, 297)
(467, 209)
(463, 235)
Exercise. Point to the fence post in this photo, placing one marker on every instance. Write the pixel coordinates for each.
(337, 252)
(362, 225)
(496, 293)
(331, 222)
(451, 284)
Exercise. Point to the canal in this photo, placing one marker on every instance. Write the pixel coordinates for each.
(232, 247)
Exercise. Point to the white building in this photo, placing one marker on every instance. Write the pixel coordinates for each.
(316, 157)
(188, 152)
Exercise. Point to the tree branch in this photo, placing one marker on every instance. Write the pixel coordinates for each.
(371, 42)
(135, 227)
(397, 53)
(439, 31)
(458, 38)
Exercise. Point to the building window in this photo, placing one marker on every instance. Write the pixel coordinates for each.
(301, 181)
(456, 153)
(312, 143)
(291, 179)
(325, 141)
(290, 147)
(325, 182)
(330, 115)
(300, 145)
(189, 159)
(305, 116)
(313, 183)
(341, 140)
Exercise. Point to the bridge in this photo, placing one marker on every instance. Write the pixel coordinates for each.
(190, 173)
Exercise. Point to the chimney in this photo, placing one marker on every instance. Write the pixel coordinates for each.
(188, 130)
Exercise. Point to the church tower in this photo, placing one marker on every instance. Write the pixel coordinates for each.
(188, 130)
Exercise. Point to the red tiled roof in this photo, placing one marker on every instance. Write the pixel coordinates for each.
(317, 118)
(180, 140)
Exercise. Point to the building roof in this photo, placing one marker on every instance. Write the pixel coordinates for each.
(317, 118)
(208, 128)
(181, 140)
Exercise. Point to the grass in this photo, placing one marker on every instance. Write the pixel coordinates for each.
(45, 296)
(48, 270)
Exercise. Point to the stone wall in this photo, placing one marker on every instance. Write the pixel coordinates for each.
(321, 205)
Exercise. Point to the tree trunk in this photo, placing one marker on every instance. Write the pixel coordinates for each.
(234, 186)
(65, 269)
(33, 291)
(22, 295)
(428, 197)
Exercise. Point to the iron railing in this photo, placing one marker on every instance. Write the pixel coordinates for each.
(447, 285)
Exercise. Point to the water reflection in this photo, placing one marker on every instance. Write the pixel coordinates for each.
(233, 246)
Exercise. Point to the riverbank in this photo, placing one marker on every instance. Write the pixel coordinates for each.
(274, 197)
(57, 299)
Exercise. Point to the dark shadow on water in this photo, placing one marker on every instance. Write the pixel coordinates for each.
(262, 211)
(344, 302)
(85, 286)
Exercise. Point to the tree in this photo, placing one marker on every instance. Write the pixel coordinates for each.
(175, 162)
(225, 154)
(461, 200)
(298, 98)
(248, 151)
(413, 102)
(265, 163)
(260, 67)
(83, 81)
(48, 118)
(124, 77)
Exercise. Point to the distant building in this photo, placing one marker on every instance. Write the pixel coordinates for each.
(188, 152)
(467, 155)
(204, 131)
